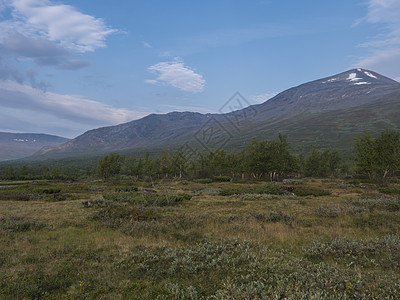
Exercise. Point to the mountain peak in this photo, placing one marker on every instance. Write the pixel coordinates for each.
(311, 107)
(359, 76)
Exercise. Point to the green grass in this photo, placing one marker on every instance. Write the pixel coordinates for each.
(190, 241)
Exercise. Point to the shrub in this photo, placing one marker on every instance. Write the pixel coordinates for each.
(242, 270)
(151, 228)
(378, 221)
(310, 191)
(97, 203)
(390, 204)
(20, 224)
(126, 189)
(208, 191)
(365, 253)
(256, 189)
(328, 180)
(346, 185)
(47, 190)
(266, 197)
(12, 195)
(222, 178)
(148, 199)
(273, 217)
(203, 180)
(115, 215)
(333, 211)
(390, 190)
(294, 181)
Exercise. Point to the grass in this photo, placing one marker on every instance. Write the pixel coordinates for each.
(192, 241)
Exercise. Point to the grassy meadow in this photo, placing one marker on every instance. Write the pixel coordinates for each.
(298, 239)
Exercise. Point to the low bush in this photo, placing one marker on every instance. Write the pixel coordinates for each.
(208, 191)
(126, 189)
(346, 186)
(389, 204)
(116, 215)
(333, 211)
(294, 181)
(20, 224)
(273, 217)
(12, 195)
(148, 199)
(384, 252)
(390, 190)
(47, 191)
(265, 197)
(222, 178)
(242, 270)
(328, 180)
(383, 221)
(310, 191)
(256, 189)
(203, 180)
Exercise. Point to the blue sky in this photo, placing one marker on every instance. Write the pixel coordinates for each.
(70, 66)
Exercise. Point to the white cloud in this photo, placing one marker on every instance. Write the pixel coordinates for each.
(68, 107)
(385, 48)
(263, 97)
(48, 33)
(59, 23)
(176, 74)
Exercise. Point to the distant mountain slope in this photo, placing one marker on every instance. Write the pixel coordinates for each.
(19, 145)
(151, 130)
(328, 112)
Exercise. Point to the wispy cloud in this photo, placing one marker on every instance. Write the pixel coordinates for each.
(385, 48)
(176, 74)
(68, 107)
(147, 45)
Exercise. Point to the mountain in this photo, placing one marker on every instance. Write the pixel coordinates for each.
(19, 145)
(328, 112)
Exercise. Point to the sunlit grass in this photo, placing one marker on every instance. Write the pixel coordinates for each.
(66, 249)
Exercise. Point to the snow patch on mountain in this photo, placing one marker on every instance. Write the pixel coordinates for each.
(370, 74)
(353, 77)
(331, 80)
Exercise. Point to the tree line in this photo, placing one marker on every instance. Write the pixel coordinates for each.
(375, 158)
(261, 159)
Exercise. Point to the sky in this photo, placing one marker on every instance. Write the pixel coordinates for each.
(69, 66)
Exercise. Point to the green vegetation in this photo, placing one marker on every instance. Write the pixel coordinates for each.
(214, 227)
(273, 160)
(378, 158)
(310, 191)
(257, 189)
(148, 199)
(179, 240)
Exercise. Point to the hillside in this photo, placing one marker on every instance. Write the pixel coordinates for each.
(19, 145)
(328, 112)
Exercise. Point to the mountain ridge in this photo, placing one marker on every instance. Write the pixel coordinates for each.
(330, 95)
(20, 145)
